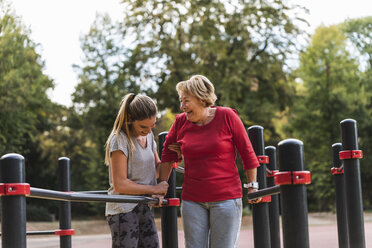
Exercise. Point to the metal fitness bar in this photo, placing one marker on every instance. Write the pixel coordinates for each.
(293, 197)
(339, 180)
(264, 192)
(353, 188)
(13, 208)
(83, 197)
(46, 232)
(169, 225)
(260, 211)
(103, 192)
(65, 241)
(271, 169)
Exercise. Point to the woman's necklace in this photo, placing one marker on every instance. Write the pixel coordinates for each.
(210, 113)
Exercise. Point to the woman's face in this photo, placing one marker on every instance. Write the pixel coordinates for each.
(192, 107)
(143, 128)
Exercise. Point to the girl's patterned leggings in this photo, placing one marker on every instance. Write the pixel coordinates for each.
(135, 229)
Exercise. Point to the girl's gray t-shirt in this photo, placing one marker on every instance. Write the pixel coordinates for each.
(140, 168)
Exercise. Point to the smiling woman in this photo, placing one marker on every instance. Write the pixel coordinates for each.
(207, 138)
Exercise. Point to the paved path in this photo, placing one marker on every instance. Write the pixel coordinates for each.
(321, 235)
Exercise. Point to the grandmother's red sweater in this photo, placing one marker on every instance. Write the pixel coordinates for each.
(209, 155)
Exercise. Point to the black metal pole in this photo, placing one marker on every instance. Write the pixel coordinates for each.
(293, 198)
(169, 231)
(65, 206)
(343, 240)
(13, 207)
(274, 204)
(353, 188)
(260, 211)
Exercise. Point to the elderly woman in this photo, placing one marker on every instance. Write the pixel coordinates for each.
(207, 136)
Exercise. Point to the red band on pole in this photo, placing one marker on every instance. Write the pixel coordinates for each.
(351, 154)
(173, 202)
(263, 159)
(14, 189)
(64, 232)
(175, 165)
(266, 198)
(271, 173)
(292, 177)
(337, 171)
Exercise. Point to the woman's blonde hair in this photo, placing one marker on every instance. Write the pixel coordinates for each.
(200, 87)
(132, 108)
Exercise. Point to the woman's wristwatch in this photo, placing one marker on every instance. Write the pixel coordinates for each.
(253, 185)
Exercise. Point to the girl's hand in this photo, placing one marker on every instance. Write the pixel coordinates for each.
(161, 198)
(161, 188)
(176, 147)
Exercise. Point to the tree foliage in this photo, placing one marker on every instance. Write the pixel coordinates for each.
(328, 92)
(26, 112)
(24, 104)
(358, 32)
(240, 46)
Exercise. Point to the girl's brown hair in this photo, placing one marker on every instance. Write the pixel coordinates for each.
(132, 108)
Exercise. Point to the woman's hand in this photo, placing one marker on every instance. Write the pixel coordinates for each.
(176, 147)
(258, 200)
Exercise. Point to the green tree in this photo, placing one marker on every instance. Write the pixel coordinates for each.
(104, 78)
(27, 114)
(358, 32)
(328, 92)
(241, 47)
(24, 104)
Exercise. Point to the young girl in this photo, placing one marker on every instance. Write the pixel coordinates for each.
(133, 161)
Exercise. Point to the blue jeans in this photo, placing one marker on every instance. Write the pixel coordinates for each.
(212, 224)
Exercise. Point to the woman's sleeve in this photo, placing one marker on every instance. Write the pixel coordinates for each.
(242, 142)
(168, 155)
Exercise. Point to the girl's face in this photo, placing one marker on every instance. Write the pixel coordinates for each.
(143, 127)
(192, 106)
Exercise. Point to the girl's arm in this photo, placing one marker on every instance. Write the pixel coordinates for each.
(157, 164)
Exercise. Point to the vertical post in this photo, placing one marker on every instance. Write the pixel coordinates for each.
(293, 197)
(339, 179)
(270, 151)
(65, 206)
(13, 207)
(353, 188)
(260, 211)
(169, 232)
